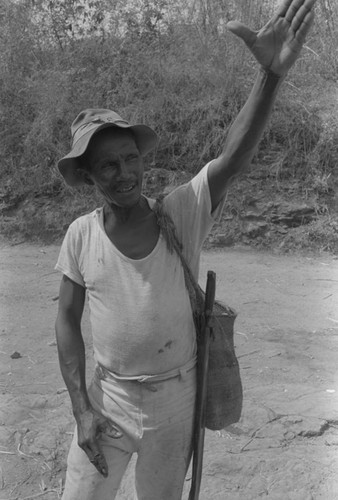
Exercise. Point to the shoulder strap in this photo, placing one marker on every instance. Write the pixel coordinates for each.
(168, 230)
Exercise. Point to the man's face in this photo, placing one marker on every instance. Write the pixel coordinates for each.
(115, 166)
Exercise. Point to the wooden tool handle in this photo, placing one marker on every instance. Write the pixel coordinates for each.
(202, 368)
(210, 293)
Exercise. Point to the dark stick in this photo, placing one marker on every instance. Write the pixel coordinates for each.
(202, 375)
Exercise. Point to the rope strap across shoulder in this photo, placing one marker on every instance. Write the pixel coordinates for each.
(168, 230)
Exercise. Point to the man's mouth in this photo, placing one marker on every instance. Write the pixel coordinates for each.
(126, 188)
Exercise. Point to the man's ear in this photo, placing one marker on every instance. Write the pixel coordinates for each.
(84, 176)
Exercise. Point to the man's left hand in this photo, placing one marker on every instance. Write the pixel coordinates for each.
(278, 44)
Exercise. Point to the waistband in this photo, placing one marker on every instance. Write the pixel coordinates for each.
(103, 373)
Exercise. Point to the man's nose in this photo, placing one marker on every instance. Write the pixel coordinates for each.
(123, 169)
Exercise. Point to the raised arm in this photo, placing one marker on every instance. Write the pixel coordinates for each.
(276, 47)
(72, 363)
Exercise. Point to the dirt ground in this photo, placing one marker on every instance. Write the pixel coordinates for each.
(286, 443)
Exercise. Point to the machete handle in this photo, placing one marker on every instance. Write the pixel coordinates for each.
(210, 293)
(202, 370)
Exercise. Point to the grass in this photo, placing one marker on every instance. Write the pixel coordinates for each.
(188, 83)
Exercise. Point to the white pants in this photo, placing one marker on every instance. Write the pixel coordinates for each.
(156, 419)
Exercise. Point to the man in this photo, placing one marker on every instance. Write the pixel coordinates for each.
(141, 399)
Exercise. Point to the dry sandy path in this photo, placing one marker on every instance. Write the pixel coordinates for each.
(286, 444)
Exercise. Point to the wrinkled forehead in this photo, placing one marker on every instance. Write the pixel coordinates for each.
(109, 143)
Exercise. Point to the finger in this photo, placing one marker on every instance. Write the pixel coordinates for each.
(302, 17)
(246, 34)
(100, 464)
(304, 28)
(299, 9)
(283, 8)
(97, 458)
(110, 429)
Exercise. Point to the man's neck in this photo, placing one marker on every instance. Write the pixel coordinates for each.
(124, 215)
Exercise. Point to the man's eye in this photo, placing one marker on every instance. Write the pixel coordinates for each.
(108, 166)
(131, 158)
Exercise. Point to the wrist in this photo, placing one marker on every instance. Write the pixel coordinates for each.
(271, 75)
(268, 81)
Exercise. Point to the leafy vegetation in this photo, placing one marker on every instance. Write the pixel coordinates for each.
(171, 65)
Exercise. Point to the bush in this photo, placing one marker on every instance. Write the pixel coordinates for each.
(184, 76)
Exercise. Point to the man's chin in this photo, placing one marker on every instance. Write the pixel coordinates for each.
(123, 201)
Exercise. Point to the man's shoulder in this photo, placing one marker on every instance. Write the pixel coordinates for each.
(189, 188)
(84, 225)
(86, 220)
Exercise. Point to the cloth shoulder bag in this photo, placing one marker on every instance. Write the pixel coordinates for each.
(224, 386)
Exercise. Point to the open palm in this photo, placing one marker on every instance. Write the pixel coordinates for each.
(278, 44)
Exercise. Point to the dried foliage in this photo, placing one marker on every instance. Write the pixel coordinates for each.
(171, 65)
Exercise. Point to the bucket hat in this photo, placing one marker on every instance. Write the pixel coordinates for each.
(88, 123)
